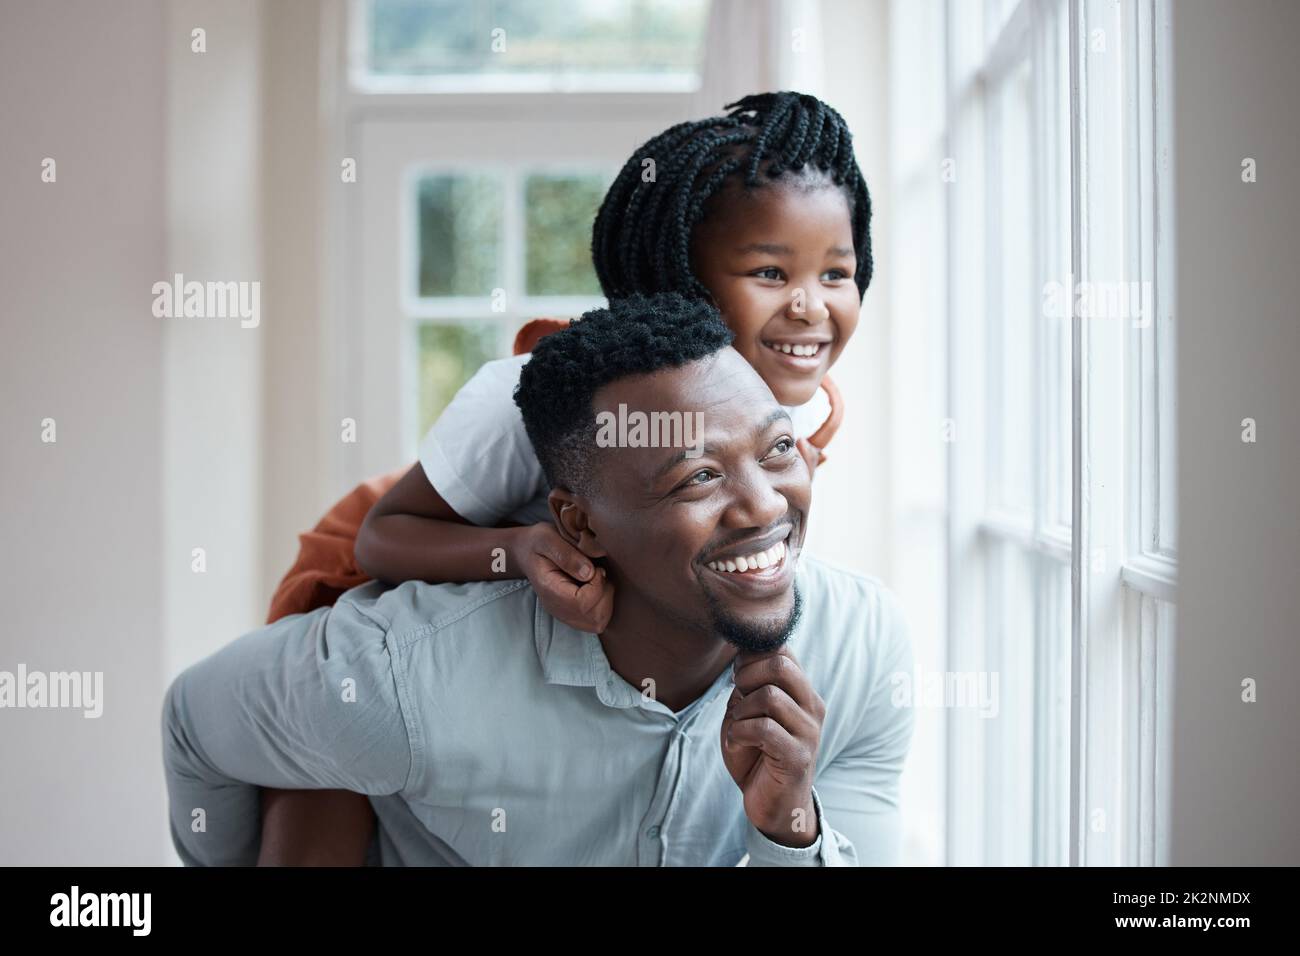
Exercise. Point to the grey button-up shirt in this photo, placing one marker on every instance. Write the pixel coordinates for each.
(488, 733)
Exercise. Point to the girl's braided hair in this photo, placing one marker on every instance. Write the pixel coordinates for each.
(641, 238)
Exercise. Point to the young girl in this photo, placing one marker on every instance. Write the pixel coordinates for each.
(762, 211)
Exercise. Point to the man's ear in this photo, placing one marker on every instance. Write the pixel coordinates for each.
(573, 522)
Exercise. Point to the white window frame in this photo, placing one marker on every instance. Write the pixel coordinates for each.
(1122, 565)
(395, 130)
(367, 84)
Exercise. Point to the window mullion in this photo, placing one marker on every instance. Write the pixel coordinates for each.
(1078, 687)
(1098, 339)
(513, 252)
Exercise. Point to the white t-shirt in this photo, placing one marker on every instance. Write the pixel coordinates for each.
(479, 459)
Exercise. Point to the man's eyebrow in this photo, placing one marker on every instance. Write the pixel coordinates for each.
(679, 455)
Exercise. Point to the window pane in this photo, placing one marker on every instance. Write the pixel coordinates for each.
(1011, 637)
(1028, 740)
(1166, 427)
(1052, 720)
(1014, 299)
(448, 354)
(459, 220)
(559, 211)
(1056, 247)
(460, 37)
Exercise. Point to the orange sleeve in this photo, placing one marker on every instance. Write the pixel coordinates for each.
(823, 435)
(326, 565)
(534, 331)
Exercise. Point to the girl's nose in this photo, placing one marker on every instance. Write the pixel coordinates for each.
(807, 306)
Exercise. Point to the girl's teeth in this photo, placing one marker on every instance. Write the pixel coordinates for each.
(800, 350)
(752, 562)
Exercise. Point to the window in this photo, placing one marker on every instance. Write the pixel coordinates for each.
(484, 137)
(1041, 176)
(491, 250)
(444, 45)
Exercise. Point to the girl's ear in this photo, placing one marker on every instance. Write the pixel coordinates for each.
(573, 523)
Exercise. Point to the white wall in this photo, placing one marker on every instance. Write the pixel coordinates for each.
(81, 82)
(878, 503)
(213, 371)
(1236, 765)
(159, 421)
(298, 432)
(212, 384)
(855, 479)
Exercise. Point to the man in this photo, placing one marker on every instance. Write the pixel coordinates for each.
(487, 732)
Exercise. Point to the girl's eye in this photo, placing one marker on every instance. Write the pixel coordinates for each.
(837, 274)
(775, 273)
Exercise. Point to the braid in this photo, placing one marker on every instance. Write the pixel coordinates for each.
(640, 242)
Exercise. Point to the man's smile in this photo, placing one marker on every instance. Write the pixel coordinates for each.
(757, 569)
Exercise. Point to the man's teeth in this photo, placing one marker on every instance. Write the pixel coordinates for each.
(752, 562)
(788, 349)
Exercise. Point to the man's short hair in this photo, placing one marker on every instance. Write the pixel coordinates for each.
(636, 335)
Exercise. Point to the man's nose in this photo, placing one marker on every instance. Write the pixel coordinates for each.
(757, 502)
(806, 305)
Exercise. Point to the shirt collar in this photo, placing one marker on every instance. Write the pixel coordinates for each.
(577, 659)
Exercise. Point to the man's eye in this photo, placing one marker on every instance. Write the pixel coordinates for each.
(699, 478)
(783, 447)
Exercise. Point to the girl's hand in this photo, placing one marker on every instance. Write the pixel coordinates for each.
(812, 455)
(569, 587)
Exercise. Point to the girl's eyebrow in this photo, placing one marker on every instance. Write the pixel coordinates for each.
(775, 249)
(769, 248)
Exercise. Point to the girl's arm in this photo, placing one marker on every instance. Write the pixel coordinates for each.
(412, 534)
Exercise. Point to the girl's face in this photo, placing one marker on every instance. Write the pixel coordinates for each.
(779, 262)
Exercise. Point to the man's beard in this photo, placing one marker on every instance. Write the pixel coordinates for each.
(756, 637)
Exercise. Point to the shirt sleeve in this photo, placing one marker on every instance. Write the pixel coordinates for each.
(829, 849)
(310, 702)
(856, 794)
(477, 455)
(811, 415)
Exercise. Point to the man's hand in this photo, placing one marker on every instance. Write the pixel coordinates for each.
(770, 737)
(569, 587)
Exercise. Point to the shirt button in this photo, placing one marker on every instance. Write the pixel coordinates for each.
(652, 832)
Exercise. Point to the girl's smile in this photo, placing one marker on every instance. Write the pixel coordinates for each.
(779, 262)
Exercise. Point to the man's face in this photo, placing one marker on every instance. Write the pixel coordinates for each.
(671, 526)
